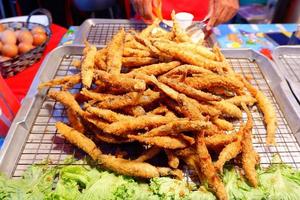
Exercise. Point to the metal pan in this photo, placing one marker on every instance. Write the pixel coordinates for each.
(33, 137)
(100, 31)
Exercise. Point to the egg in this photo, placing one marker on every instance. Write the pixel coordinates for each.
(39, 38)
(25, 36)
(24, 47)
(38, 29)
(17, 32)
(8, 37)
(2, 27)
(4, 58)
(9, 50)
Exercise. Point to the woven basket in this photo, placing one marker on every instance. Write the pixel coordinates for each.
(17, 64)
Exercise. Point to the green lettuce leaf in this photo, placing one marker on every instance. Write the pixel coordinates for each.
(170, 189)
(238, 189)
(280, 181)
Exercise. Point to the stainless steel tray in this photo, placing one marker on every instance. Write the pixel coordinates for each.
(287, 58)
(33, 138)
(100, 31)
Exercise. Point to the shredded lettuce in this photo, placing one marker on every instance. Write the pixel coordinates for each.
(170, 189)
(238, 189)
(80, 181)
(280, 181)
(201, 194)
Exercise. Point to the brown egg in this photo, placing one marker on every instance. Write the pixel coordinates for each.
(2, 27)
(38, 29)
(24, 47)
(8, 37)
(39, 38)
(17, 32)
(9, 50)
(25, 36)
(1, 45)
(3, 58)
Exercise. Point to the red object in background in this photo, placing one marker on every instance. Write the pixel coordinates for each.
(199, 8)
(267, 52)
(20, 83)
(9, 106)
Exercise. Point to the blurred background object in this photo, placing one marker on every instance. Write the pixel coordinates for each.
(74, 12)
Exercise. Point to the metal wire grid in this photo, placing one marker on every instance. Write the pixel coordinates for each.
(291, 65)
(43, 142)
(102, 33)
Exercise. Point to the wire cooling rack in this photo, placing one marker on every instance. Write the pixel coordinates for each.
(44, 143)
(100, 33)
(291, 65)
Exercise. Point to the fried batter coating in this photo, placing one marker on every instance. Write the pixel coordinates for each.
(134, 110)
(100, 59)
(267, 109)
(203, 51)
(233, 149)
(78, 139)
(95, 95)
(238, 100)
(161, 141)
(155, 51)
(189, 57)
(178, 126)
(228, 108)
(99, 123)
(129, 52)
(118, 165)
(107, 115)
(223, 124)
(148, 154)
(161, 110)
(87, 66)
(248, 153)
(155, 69)
(66, 82)
(128, 167)
(189, 107)
(165, 171)
(180, 35)
(173, 160)
(75, 121)
(207, 109)
(229, 152)
(115, 52)
(216, 141)
(138, 61)
(208, 169)
(189, 91)
(208, 81)
(130, 42)
(188, 70)
(147, 31)
(142, 122)
(121, 81)
(67, 99)
(186, 108)
(129, 99)
(112, 139)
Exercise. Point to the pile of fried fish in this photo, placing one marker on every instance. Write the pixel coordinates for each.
(174, 97)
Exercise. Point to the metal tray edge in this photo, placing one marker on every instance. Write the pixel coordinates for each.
(84, 27)
(14, 143)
